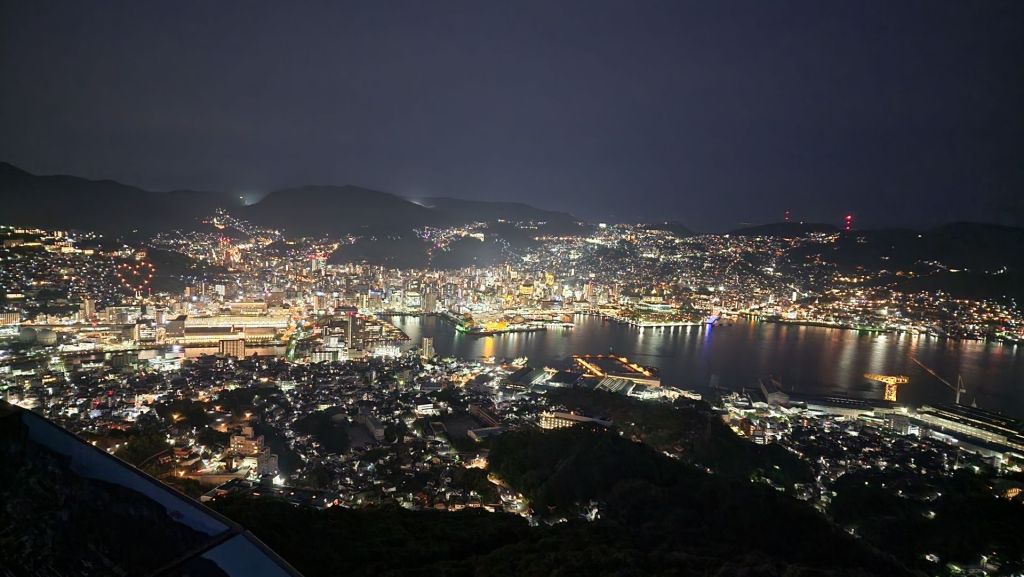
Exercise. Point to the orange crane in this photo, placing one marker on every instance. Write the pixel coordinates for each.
(891, 383)
(958, 388)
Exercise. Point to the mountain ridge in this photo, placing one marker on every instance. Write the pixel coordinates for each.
(66, 201)
(311, 210)
(496, 210)
(72, 202)
(784, 229)
(326, 209)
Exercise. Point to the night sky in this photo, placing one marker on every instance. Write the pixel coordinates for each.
(710, 113)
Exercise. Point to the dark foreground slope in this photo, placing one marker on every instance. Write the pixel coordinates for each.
(658, 516)
(679, 518)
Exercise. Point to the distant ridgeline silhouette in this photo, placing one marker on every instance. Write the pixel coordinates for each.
(70, 202)
(984, 259)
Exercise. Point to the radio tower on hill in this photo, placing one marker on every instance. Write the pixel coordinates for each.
(848, 223)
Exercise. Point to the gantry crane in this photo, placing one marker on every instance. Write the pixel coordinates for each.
(958, 388)
(891, 383)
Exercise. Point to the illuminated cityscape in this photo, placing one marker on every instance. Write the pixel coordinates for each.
(246, 363)
(669, 289)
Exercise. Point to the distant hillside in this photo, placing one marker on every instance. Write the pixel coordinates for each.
(409, 251)
(111, 207)
(785, 229)
(966, 260)
(469, 210)
(974, 245)
(101, 205)
(971, 246)
(321, 210)
(673, 227)
(335, 210)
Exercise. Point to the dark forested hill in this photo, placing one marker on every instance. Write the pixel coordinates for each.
(69, 202)
(976, 247)
(658, 516)
(334, 210)
(461, 210)
(676, 228)
(784, 229)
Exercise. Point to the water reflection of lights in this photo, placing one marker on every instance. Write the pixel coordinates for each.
(812, 359)
(879, 352)
(847, 352)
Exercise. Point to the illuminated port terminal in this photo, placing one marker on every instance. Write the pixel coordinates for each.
(616, 366)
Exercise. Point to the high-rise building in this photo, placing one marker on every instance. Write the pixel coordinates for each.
(430, 302)
(427, 350)
(87, 310)
(232, 348)
(350, 330)
(247, 443)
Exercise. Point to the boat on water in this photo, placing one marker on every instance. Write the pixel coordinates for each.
(481, 332)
